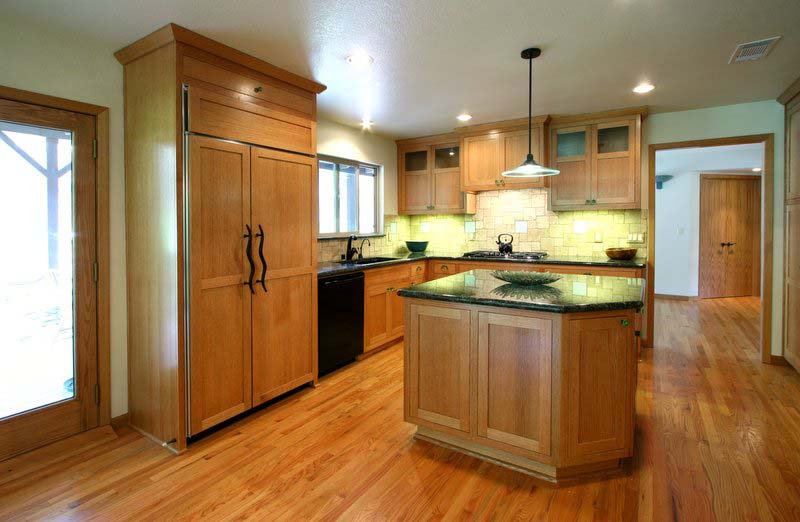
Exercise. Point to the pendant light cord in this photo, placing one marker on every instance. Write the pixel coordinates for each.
(530, 102)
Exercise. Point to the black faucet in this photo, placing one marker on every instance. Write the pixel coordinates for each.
(351, 250)
(361, 250)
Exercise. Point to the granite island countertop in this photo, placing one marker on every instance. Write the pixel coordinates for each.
(336, 267)
(572, 293)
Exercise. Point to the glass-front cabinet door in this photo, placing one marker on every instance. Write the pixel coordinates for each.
(416, 172)
(446, 178)
(613, 164)
(571, 154)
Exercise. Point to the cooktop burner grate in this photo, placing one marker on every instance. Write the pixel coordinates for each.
(493, 254)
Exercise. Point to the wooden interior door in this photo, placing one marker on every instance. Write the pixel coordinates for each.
(284, 309)
(438, 362)
(219, 216)
(600, 368)
(730, 235)
(48, 298)
(571, 155)
(514, 381)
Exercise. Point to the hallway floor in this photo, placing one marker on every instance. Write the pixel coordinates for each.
(717, 438)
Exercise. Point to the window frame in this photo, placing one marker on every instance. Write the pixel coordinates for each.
(359, 165)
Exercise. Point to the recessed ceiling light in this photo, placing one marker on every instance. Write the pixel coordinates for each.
(464, 117)
(643, 88)
(359, 59)
(366, 124)
(757, 169)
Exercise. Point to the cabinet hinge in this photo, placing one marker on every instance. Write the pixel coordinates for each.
(97, 394)
(95, 271)
(94, 149)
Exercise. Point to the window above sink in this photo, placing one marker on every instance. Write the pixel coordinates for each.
(349, 198)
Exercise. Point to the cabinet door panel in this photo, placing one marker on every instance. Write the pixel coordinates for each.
(600, 364)
(417, 191)
(283, 336)
(438, 366)
(515, 150)
(482, 163)
(376, 316)
(793, 152)
(572, 156)
(397, 316)
(284, 203)
(614, 180)
(514, 381)
(447, 193)
(219, 180)
(791, 312)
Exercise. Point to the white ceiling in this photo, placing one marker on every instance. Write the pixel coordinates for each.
(435, 59)
(698, 159)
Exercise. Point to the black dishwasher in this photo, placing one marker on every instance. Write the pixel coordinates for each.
(340, 305)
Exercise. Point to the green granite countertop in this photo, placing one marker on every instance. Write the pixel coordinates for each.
(572, 293)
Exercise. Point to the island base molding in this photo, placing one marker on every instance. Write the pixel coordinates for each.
(551, 474)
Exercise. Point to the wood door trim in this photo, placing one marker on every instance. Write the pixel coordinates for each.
(768, 174)
(103, 234)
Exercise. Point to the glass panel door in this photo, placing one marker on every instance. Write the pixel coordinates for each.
(37, 301)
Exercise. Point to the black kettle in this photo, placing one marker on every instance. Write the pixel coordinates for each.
(505, 245)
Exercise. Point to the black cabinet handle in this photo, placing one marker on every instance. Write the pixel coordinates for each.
(249, 251)
(263, 279)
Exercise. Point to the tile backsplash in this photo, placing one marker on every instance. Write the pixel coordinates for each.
(522, 213)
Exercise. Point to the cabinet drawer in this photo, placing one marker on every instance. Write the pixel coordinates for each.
(256, 86)
(224, 117)
(418, 270)
(384, 276)
(444, 268)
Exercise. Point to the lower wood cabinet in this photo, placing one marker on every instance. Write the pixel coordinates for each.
(384, 316)
(437, 383)
(549, 393)
(600, 370)
(514, 382)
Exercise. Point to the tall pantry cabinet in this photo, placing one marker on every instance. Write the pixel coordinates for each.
(221, 219)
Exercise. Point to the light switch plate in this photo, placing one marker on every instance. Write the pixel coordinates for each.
(521, 227)
(469, 227)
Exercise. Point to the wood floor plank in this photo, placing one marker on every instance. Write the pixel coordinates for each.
(717, 438)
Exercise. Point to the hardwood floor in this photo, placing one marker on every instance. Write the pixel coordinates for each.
(718, 438)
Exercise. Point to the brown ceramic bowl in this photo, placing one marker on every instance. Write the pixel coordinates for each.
(621, 254)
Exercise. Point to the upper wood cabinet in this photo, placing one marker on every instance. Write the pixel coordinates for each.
(599, 158)
(429, 177)
(491, 149)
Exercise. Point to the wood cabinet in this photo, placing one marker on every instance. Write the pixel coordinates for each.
(439, 268)
(209, 347)
(491, 149)
(429, 177)
(791, 284)
(384, 315)
(599, 158)
(514, 384)
(438, 367)
(550, 394)
(599, 388)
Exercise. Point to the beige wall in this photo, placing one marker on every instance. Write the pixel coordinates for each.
(764, 117)
(339, 140)
(74, 67)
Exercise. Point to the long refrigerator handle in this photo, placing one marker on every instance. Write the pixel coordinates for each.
(249, 251)
(263, 279)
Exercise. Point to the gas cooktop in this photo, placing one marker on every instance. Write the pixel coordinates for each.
(494, 254)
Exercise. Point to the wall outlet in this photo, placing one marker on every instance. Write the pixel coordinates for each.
(425, 227)
(469, 227)
(393, 228)
(521, 227)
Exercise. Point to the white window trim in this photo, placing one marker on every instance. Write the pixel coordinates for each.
(378, 197)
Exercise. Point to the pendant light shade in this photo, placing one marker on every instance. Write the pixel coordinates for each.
(530, 168)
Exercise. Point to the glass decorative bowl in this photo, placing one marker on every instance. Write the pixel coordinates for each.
(522, 278)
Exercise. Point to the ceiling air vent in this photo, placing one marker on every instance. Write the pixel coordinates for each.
(747, 52)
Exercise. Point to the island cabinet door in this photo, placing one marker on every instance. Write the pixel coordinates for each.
(600, 367)
(437, 367)
(514, 381)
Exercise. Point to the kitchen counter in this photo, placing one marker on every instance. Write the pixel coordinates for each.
(572, 293)
(335, 267)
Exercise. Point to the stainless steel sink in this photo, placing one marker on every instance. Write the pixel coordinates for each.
(369, 260)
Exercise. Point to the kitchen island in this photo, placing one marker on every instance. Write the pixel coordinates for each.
(539, 379)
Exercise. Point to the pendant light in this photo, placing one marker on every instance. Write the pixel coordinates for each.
(529, 168)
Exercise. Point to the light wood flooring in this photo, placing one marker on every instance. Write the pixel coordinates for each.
(718, 438)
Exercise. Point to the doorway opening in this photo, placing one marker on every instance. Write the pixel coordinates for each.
(710, 227)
